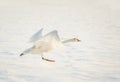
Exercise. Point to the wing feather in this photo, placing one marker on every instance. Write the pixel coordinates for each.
(36, 36)
(53, 35)
(50, 40)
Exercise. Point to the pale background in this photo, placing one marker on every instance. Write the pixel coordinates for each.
(95, 59)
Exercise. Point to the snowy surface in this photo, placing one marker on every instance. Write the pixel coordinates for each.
(95, 59)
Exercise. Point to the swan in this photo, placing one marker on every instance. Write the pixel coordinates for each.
(46, 43)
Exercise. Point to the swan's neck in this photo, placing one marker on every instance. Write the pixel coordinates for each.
(67, 41)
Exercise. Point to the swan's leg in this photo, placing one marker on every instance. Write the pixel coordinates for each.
(47, 59)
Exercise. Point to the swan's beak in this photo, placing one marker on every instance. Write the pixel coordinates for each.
(21, 54)
(78, 40)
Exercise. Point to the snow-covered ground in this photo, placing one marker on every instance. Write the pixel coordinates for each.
(95, 59)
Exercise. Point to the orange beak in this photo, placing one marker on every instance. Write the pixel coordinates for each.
(78, 40)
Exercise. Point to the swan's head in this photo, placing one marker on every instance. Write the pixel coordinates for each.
(76, 40)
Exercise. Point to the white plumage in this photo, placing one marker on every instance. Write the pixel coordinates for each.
(36, 36)
(46, 43)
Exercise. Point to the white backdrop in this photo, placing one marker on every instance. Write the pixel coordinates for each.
(96, 58)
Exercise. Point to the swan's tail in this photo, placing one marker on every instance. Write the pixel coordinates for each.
(21, 54)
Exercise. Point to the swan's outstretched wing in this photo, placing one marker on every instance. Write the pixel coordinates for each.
(50, 40)
(36, 36)
(52, 35)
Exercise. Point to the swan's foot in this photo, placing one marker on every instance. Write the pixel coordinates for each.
(48, 60)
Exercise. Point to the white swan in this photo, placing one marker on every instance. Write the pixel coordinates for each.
(46, 43)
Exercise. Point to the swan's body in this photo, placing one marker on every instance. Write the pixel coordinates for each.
(46, 43)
